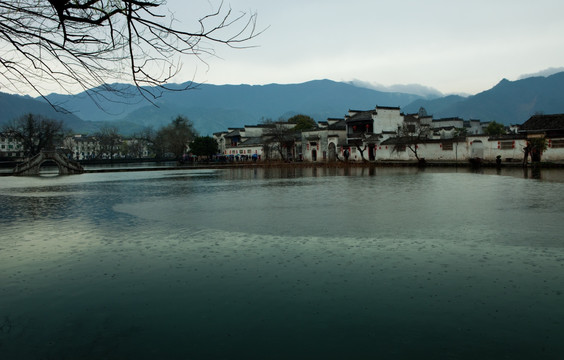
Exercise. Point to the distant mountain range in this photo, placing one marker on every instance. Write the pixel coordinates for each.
(509, 102)
(214, 108)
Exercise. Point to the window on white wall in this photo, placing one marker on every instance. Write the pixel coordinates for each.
(447, 146)
(556, 144)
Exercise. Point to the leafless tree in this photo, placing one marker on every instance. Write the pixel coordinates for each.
(133, 148)
(91, 43)
(140, 142)
(109, 140)
(410, 135)
(35, 133)
(279, 137)
(360, 146)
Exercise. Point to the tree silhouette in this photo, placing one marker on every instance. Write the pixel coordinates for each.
(109, 140)
(410, 135)
(92, 43)
(35, 133)
(174, 138)
(279, 137)
(204, 146)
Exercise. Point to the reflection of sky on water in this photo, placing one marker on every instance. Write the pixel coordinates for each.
(216, 263)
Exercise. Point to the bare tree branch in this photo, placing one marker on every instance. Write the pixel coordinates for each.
(87, 44)
(410, 135)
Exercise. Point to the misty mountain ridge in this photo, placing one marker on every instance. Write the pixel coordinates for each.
(214, 108)
(508, 102)
(544, 73)
(423, 91)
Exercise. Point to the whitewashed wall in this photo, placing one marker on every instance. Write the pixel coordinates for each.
(387, 120)
(553, 154)
(462, 151)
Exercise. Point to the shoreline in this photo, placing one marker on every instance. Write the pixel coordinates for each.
(339, 164)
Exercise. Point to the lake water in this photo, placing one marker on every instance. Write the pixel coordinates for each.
(283, 263)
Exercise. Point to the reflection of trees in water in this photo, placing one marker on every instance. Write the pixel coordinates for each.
(535, 172)
(290, 172)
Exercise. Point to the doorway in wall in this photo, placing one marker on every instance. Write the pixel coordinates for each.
(477, 149)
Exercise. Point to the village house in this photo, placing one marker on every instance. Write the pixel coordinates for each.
(551, 129)
(244, 143)
(386, 134)
(325, 142)
(81, 147)
(10, 147)
(87, 147)
(365, 129)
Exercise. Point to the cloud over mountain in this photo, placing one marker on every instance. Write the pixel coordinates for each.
(415, 89)
(543, 73)
(214, 108)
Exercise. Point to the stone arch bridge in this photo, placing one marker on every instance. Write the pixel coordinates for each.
(32, 166)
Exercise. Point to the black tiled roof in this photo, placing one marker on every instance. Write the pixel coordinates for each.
(253, 141)
(233, 133)
(387, 107)
(361, 116)
(544, 122)
(447, 119)
(340, 125)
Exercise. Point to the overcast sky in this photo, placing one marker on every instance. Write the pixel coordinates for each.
(452, 46)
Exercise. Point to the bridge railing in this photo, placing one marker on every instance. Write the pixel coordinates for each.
(28, 164)
(31, 167)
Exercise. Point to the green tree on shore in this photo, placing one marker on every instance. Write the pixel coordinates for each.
(174, 138)
(494, 129)
(204, 146)
(303, 122)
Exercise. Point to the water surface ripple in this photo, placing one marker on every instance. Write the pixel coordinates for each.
(282, 263)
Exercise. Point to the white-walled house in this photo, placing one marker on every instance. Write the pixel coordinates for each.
(549, 127)
(381, 122)
(509, 148)
(10, 147)
(82, 147)
(243, 143)
(367, 128)
(86, 147)
(372, 135)
(325, 143)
